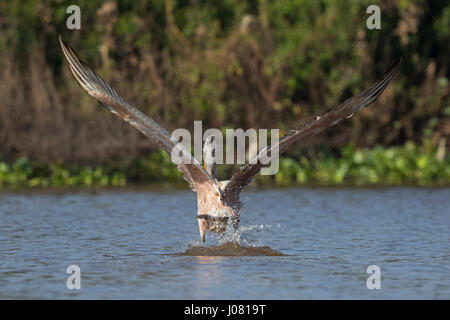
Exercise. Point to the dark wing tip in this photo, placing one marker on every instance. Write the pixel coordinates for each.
(62, 43)
(393, 69)
(396, 65)
(372, 93)
(69, 52)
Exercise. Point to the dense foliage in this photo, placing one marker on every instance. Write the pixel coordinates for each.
(410, 164)
(230, 63)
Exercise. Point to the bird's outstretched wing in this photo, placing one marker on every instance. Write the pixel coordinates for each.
(111, 100)
(245, 174)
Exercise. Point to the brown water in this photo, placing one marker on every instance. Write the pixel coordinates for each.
(229, 249)
(294, 243)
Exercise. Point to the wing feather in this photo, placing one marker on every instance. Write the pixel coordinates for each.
(313, 126)
(95, 86)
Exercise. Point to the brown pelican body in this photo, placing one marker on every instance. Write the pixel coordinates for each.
(214, 213)
(217, 201)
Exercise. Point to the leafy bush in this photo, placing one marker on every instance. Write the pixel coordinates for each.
(229, 63)
(408, 164)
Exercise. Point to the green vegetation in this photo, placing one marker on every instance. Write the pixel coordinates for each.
(409, 164)
(231, 64)
(23, 173)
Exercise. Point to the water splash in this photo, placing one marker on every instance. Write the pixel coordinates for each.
(244, 235)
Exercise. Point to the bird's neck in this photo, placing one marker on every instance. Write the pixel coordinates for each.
(209, 156)
(211, 167)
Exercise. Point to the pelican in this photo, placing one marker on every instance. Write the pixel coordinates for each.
(218, 204)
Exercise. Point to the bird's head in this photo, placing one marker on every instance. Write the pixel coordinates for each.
(209, 156)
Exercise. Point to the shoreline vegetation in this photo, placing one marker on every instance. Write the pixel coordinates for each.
(410, 164)
(231, 64)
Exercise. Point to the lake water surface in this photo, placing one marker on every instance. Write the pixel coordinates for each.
(134, 245)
